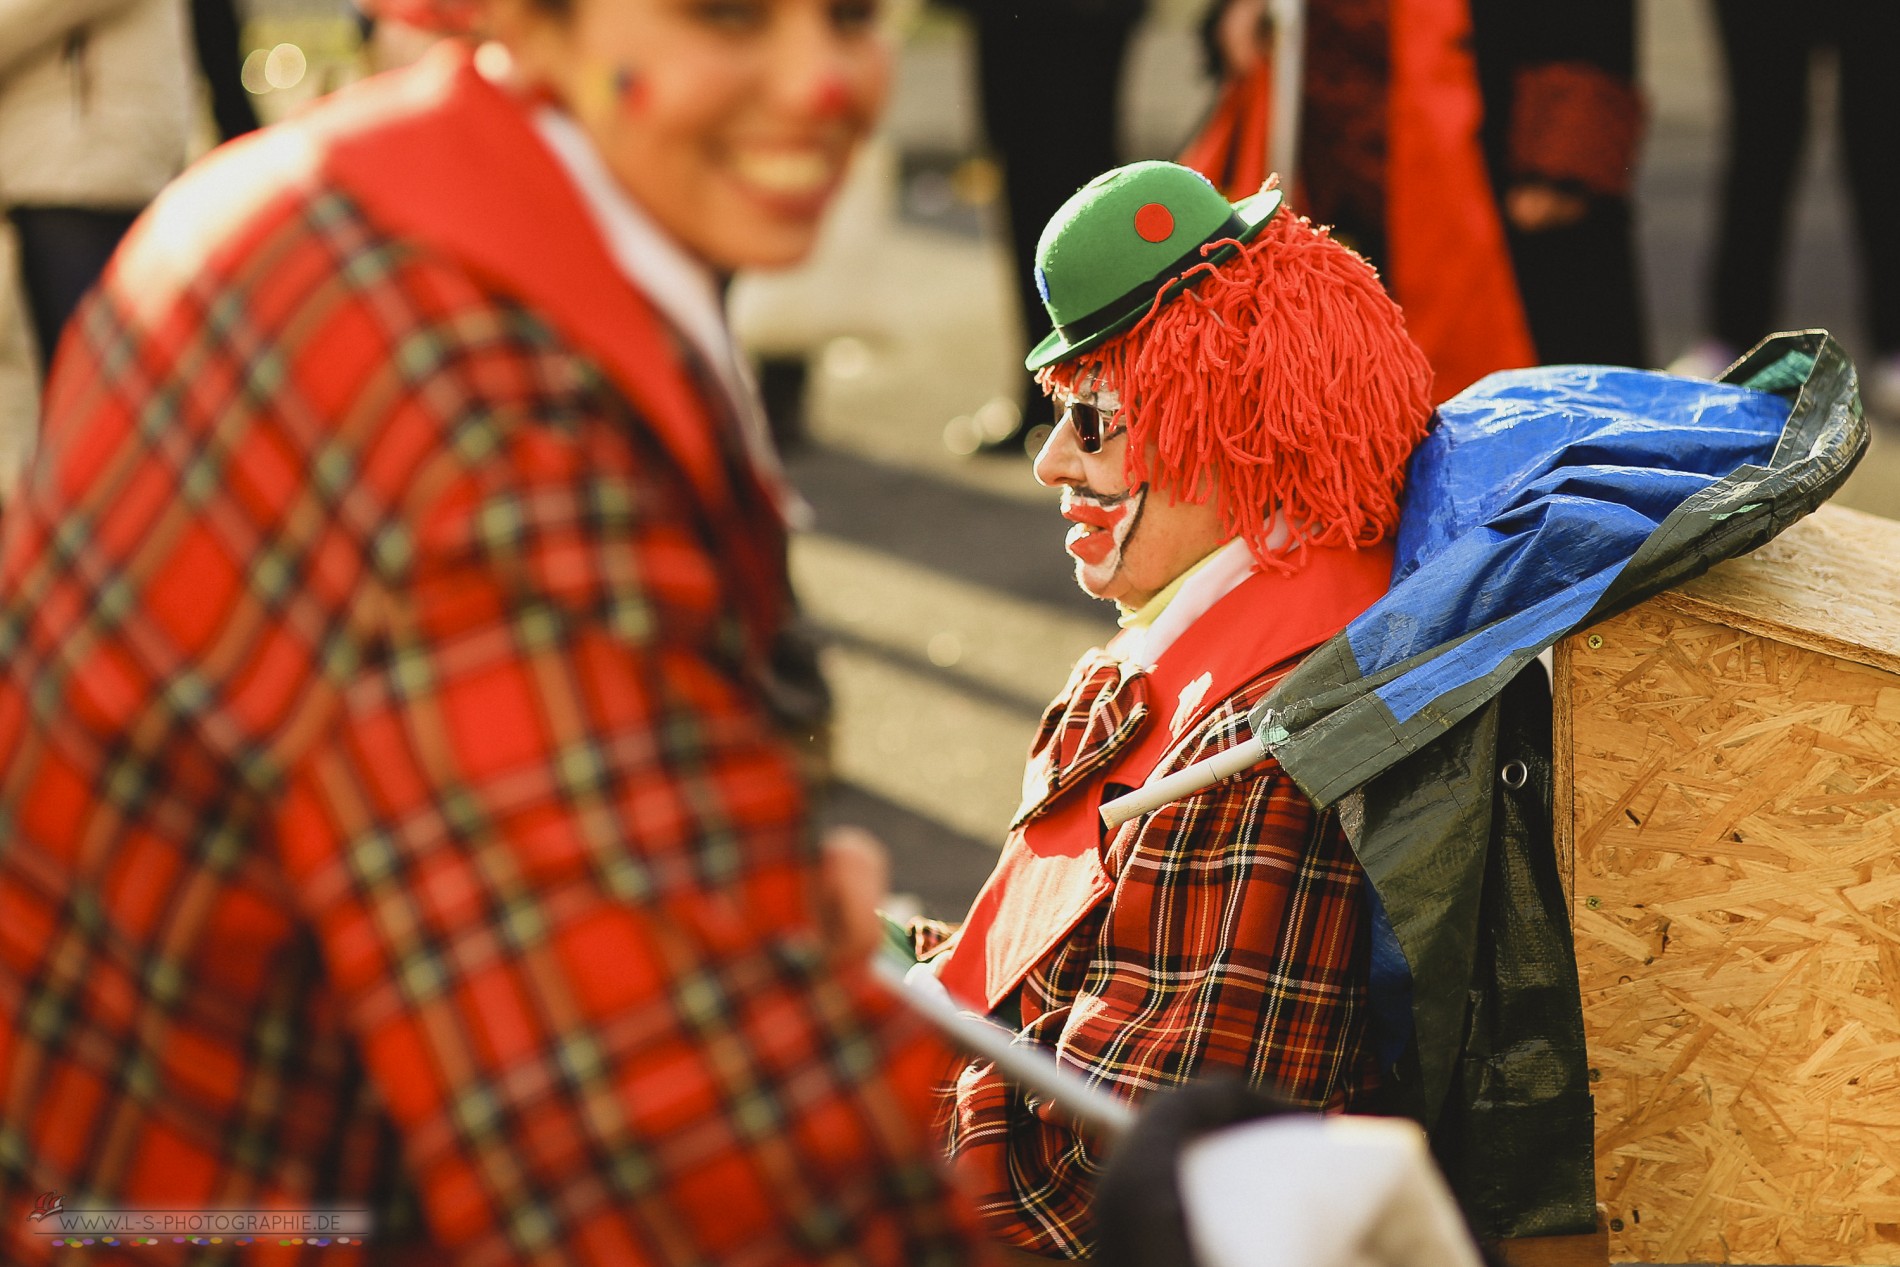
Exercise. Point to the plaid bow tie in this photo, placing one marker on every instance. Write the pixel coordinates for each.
(1095, 717)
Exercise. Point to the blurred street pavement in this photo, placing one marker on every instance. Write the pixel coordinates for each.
(941, 579)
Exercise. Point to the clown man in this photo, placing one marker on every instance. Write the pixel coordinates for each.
(1238, 400)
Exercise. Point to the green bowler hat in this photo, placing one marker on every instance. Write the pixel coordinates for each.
(1124, 237)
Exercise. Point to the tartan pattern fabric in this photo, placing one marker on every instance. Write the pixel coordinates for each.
(1104, 703)
(1235, 942)
(388, 811)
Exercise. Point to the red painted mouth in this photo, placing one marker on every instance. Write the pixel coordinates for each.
(1093, 537)
(1090, 545)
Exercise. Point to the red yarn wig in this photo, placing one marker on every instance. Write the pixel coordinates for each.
(1281, 379)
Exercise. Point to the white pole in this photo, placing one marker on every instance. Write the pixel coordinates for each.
(1289, 78)
(1185, 782)
(1022, 1064)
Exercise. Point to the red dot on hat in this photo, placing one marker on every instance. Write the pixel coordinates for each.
(1154, 223)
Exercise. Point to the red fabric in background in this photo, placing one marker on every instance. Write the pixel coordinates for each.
(1231, 148)
(1449, 267)
(451, 17)
(1575, 123)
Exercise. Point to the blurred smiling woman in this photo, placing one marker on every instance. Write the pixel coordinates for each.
(401, 803)
(729, 121)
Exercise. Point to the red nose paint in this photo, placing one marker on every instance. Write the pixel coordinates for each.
(833, 98)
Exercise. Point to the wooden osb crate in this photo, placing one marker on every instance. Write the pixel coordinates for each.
(1730, 753)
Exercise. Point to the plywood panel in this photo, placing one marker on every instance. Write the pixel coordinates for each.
(1830, 583)
(1736, 807)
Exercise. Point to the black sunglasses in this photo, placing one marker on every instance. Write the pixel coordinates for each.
(1087, 421)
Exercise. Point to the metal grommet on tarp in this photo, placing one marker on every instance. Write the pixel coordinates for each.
(1514, 774)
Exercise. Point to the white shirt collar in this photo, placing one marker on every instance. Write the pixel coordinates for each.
(1231, 564)
(684, 290)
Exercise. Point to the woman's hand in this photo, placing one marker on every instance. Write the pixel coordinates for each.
(1532, 206)
(1241, 34)
(854, 877)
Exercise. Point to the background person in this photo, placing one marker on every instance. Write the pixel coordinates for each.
(95, 113)
(1768, 61)
(400, 727)
(1539, 100)
(1052, 133)
(1563, 126)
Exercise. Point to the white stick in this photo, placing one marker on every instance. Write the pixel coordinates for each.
(1182, 784)
(1289, 79)
(1023, 1065)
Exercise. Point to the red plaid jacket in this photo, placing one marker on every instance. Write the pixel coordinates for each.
(1232, 940)
(390, 810)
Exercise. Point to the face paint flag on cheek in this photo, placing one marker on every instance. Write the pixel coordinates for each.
(600, 92)
(629, 90)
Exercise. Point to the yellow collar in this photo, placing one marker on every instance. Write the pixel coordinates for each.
(1145, 615)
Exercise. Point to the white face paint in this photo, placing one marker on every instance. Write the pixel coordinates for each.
(1126, 544)
(1103, 509)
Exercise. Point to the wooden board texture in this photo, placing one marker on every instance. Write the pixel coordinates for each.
(1736, 836)
(1830, 583)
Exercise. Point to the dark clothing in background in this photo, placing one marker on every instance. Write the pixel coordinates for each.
(1767, 58)
(1349, 61)
(1560, 106)
(1049, 80)
(1580, 288)
(1343, 117)
(62, 252)
(214, 33)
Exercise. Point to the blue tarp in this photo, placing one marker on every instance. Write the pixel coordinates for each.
(1545, 500)
(1529, 497)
